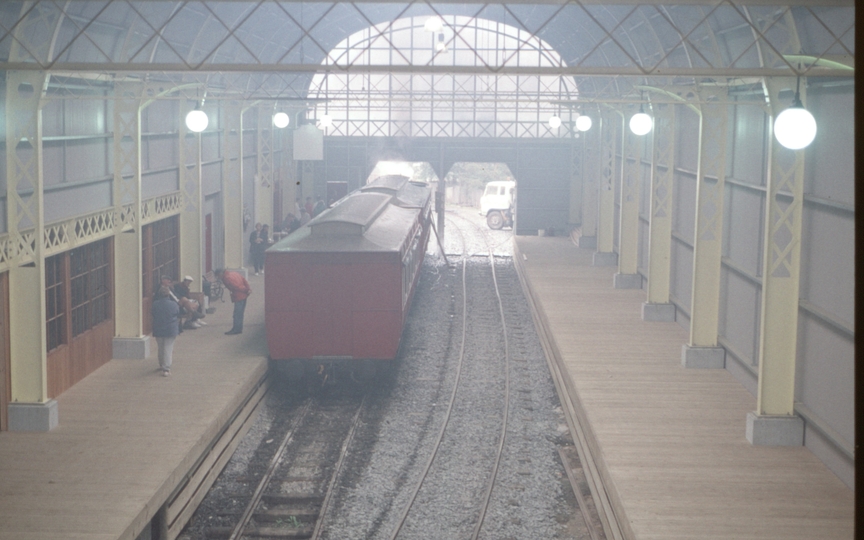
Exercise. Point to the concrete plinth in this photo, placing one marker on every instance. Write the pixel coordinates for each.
(33, 416)
(627, 281)
(136, 348)
(703, 357)
(588, 242)
(658, 312)
(770, 430)
(603, 258)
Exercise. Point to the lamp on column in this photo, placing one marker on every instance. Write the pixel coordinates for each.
(197, 119)
(641, 123)
(795, 127)
(281, 120)
(583, 123)
(554, 122)
(326, 121)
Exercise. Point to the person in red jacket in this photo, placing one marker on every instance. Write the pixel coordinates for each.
(240, 290)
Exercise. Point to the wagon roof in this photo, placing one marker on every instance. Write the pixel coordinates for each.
(390, 183)
(384, 234)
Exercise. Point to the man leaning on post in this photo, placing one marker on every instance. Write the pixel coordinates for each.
(240, 290)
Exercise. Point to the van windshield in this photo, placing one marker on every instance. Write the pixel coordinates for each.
(491, 190)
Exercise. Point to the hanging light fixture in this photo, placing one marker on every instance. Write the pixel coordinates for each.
(583, 123)
(281, 120)
(433, 24)
(197, 120)
(554, 122)
(795, 127)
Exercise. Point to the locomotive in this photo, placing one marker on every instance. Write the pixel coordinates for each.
(338, 290)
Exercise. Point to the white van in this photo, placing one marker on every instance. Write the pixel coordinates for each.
(496, 204)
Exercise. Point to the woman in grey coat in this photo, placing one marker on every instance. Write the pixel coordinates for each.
(166, 317)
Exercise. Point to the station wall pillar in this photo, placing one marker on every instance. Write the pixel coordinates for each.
(590, 185)
(191, 220)
(702, 351)
(658, 307)
(232, 183)
(129, 341)
(628, 229)
(610, 124)
(30, 409)
(774, 422)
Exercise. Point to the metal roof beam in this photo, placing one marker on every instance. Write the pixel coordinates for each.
(70, 68)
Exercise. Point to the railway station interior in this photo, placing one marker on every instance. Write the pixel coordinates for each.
(694, 277)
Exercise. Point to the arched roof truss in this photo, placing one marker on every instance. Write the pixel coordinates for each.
(267, 49)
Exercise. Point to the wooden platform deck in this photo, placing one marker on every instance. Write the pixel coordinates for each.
(669, 442)
(127, 436)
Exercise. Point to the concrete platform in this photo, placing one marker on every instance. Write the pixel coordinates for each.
(127, 437)
(668, 442)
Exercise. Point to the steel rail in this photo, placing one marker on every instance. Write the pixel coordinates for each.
(268, 475)
(503, 437)
(437, 445)
(346, 444)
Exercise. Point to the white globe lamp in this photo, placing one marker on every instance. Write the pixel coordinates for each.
(795, 128)
(583, 123)
(554, 122)
(433, 24)
(641, 123)
(281, 120)
(197, 121)
(326, 121)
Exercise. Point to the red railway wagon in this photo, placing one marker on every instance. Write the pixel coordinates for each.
(339, 288)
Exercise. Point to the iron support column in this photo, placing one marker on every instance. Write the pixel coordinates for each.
(774, 422)
(264, 179)
(30, 408)
(658, 307)
(129, 341)
(590, 183)
(191, 227)
(232, 183)
(702, 351)
(628, 228)
(610, 122)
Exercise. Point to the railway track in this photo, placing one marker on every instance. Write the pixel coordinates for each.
(449, 447)
(466, 356)
(292, 497)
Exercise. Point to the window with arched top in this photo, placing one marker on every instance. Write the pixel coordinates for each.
(450, 99)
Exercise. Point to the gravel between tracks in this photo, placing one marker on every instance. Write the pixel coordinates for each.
(532, 498)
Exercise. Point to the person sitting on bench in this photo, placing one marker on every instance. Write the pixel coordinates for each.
(193, 312)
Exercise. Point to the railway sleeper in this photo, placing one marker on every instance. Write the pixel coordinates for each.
(303, 514)
(221, 533)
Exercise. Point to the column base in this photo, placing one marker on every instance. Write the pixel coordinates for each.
(603, 258)
(136, 348)
(775, 430)
(654, 312)
(627, 281)
(33, 416)
(703, 357)
(588, 242)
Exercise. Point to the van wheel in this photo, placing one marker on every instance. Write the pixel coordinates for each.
(495, 220)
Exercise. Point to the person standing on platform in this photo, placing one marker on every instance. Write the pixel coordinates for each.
(319, 207)
(256, 248)
(166, 322)
(264, 235)
(240, 290)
